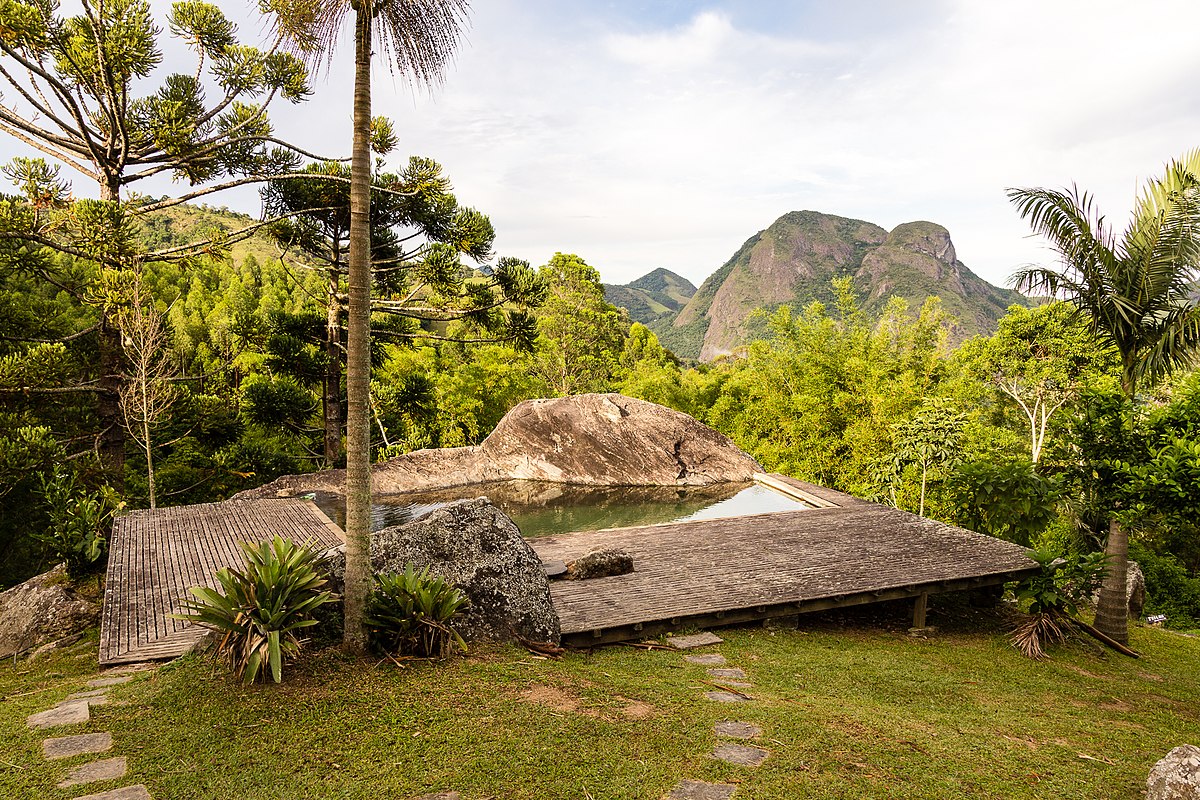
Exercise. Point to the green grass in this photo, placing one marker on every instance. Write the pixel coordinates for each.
(852, 707)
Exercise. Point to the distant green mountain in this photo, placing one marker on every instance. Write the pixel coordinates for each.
(660, 294)
(793, 261)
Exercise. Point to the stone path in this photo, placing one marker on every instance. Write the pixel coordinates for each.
(76, 710)
(729, 684)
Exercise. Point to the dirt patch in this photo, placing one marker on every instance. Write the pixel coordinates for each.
(1115, 705)
(1085, 673)
(1149, 676)
(566, 701)
(636, 709)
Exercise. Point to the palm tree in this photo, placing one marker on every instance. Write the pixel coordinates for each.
(1135, 292)
(418, 38)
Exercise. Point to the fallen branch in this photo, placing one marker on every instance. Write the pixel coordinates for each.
(1098, 636)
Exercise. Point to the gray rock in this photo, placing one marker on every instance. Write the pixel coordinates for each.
(744, 755)
(68, 746)
(41, 610)
(589, 439)
(702, 639)
(475, 546)
(1176, 776)
(104, 770)
(72, 713)
(602, 563)
(136, 792)
(736, 673)
(112, 680)
(737, 730)
(699, 790)
(706, 659)
(727, 697)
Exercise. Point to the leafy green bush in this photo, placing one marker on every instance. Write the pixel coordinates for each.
(262, 607)
(410, 612)
(1053, 595)
(79, 522)
(1011, 501)
(1170, 589)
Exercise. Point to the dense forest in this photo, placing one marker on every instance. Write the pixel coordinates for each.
(1015, 434)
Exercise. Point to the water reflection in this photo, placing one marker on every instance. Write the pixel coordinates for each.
(541, 509)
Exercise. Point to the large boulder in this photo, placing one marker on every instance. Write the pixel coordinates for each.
(588, 439)
(475, 546)
(43, 609)
(1176, 776)
(612, 440)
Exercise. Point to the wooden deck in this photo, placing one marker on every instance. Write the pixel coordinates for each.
(735, 570)
(154, 556)
(843, 551)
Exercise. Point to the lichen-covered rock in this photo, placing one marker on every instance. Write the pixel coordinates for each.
(1177, 776)
(475, 546)
(41, 610)
(600, 564)
(588, 439)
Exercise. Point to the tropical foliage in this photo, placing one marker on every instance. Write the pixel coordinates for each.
(412, 613)
(261, 609)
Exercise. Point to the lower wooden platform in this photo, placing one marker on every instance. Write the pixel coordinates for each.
(155, 556)
(727, 571)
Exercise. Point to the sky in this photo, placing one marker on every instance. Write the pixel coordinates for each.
(664, 134)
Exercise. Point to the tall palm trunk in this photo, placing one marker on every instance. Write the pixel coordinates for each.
(1112, 609)
(358, 361)
(331, 395)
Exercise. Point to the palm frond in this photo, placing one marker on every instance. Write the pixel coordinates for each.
(419, 37)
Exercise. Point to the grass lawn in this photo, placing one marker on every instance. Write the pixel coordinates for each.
(852, 707)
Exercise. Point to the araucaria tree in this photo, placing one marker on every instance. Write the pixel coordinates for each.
(1135, 291)
(74, 97)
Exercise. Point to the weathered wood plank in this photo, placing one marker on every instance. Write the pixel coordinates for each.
(155, 556)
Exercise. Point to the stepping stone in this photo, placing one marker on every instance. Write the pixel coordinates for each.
(106, 770)
(87, 699)
(738, 684)
(727, 697)
(732, 672)
(441, 796)
(67, 746)
(744, 755)
(73, 713)
(737, 730)
(100, 683)
(703, 639)
(706, 659)
(91, 693)
(138, 792)
(699, 790)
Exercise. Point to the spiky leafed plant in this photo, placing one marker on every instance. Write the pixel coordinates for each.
(1135, 292)
(418, 37)
(261, 608)
(410, 613)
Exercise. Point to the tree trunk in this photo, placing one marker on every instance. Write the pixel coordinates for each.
(332, 395)
(358, 360)
(1112, 609)
(108, 405)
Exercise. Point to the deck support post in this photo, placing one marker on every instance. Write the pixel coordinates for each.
(920, 604)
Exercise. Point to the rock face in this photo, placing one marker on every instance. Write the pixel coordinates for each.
(612, 440)
(43, 609)
(1177, 776)
(793, 261)
(589, 440)
(600, 564)
(475, 546)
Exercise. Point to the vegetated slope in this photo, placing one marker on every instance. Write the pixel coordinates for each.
(793, 261)
(186, 224)
(660, 293)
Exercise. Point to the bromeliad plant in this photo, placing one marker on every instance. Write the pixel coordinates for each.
(410, 612)
(262, 607)
(1051, 598)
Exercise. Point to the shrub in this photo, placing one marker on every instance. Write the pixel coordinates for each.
(410, 612)
(1011, 501)
(1052, 596)
(262, 607)
(1170, 589)
(79, 522)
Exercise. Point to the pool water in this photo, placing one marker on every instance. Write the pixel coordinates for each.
(543, 509)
